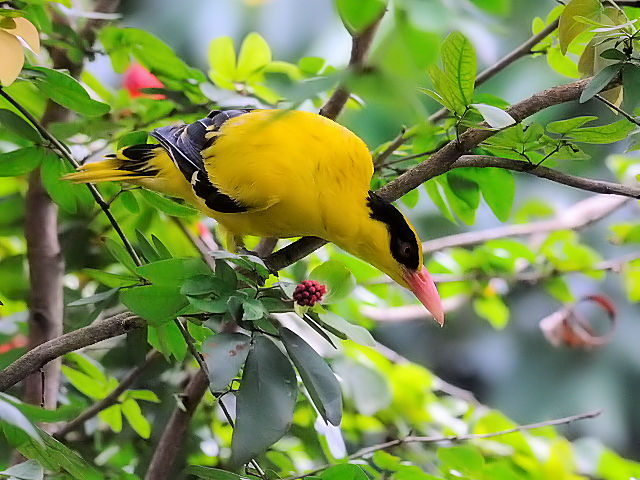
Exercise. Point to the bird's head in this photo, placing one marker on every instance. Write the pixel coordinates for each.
(392, 245)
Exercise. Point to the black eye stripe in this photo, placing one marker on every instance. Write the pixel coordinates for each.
(403, 244)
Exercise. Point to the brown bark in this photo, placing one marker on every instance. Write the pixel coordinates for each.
(46, 268)
(169, 444)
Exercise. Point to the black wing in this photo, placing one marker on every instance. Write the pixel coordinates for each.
(185, 143)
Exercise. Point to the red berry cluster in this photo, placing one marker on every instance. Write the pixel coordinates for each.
(309, 292)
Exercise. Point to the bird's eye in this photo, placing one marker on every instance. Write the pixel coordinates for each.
(406, 249)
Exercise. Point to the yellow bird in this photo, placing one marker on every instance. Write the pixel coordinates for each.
(281, 174)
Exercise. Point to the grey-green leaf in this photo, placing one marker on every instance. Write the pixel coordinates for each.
(29, 470)
(13, 416)
(225, 353)
(600, 81)
(265, 403)
(321, 383)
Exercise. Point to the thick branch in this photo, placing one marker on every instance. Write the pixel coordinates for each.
(597, 186)
(44, 353)
(455, 438)
(578, 216)
(110, 399)
(360, 45)
(172, 437)
(440, 162)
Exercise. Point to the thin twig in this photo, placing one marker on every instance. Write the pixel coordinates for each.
(578, 216)
(63, 151)
(454, 438)
(197, 243)
(613, 106)
(361, 43)
(110, 399)
(597, 186)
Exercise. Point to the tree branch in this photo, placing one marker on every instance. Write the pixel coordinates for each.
(45, 352)
(578, 216)
(440, 162)
(110, 399)
(454, 438)
(361, 42)
(597, 186)
(170, 442)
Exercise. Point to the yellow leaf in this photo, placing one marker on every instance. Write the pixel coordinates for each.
(569, 28)
(25, 30)
(12, 58)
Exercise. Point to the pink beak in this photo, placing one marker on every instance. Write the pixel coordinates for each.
(422, 286)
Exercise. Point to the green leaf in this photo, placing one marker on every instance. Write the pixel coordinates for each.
(158, 304)
(203, 284)
(346, 471)
(225, 353)
(222, 59)
(498, 190)
(265, 401)
(128, 199)
(66, 91)
(255, 54)
(321, 383)
(88, 365)
(165, 205)
(98, 297)
(20, 161)
(431, 186)
(133, 138)
(610, 133)
(338, 279)
(631, 280)
(411, 198)
(168, 340)
(146, 395)
(38, 414)
(631, 80)
(492, 309)
(55, 456)
(368, 388)
(112, 416)
(463, 194)
(117, 250)
(111, 279)
(359, 14)
(569, 28)
(311, 65)
(60, 192)
(613, 54)
(252, 309)
(600, 81)
(89, 386)
(557, 287)
(173, 272)
(133, 414)
(29, 470)
(456, 83)
(563, 127)
(212, 473)
(464, 459)
(19, 126)
(11, 415)
(494, 116)
(355, 332)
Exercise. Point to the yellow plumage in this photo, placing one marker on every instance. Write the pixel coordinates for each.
(273, 173)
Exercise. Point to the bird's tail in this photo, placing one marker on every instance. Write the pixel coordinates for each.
(129, 164)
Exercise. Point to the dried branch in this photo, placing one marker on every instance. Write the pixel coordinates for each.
(171, 440)
(577, 216)
(44, 353)
(440, 162)
(454, 438)
(110, 399)
(361, 42)
(597, 186)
